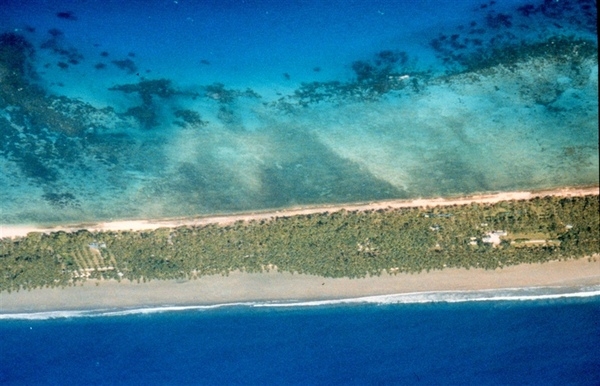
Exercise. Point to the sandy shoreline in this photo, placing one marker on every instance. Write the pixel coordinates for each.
(273, 286)
(23, 230)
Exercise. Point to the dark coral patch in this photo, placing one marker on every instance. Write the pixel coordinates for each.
(498, 20)
(61, 200)
(66, 15)
(35, 169)
(144, 114)
(189, 118)
(146, 88)
(15, 50)
(363, 70)
(126, 65)
(55, 32)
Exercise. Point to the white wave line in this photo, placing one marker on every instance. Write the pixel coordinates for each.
(511, 294)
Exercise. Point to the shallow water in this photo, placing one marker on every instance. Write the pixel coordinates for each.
(177, 108)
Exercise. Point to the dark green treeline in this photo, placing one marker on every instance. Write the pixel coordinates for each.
(340, 244)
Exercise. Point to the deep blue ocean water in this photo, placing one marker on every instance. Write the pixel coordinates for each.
(542, 342)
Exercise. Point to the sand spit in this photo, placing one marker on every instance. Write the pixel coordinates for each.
(138, 225)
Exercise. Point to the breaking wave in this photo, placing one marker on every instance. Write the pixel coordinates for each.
(502, 295)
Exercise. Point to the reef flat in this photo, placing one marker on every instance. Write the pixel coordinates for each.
(508, 101)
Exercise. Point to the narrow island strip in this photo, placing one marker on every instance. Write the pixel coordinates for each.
(488, 242)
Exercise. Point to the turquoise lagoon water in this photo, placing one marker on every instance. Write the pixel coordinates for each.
(126, 110)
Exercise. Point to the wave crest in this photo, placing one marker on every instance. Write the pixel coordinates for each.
(505, 295)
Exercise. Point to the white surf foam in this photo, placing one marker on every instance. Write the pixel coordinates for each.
(512, 294)
(505, 295)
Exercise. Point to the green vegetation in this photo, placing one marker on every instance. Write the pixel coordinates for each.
(340, 244)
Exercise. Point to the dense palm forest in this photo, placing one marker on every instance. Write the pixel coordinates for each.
(340, 244)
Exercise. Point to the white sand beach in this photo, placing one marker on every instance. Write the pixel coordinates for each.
(137, 225)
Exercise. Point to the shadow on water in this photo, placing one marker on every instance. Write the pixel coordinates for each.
(300, 171)
(318, 175)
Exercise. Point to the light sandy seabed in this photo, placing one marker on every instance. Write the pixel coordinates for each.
(274, 286)
(22, 230)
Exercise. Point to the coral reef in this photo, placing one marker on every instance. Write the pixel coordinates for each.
(61, 200)
(387, 71)
(66, 15)
(582, 13)
(146, 113)
(16, 89)
(471, 48)
(15, 53)
(56, 45)
(218, 92)
(126, 65)
(147, 88)
(189, 119)
(559, 49)
(44, 136)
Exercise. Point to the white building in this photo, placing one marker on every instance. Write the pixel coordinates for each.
(493, 237)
